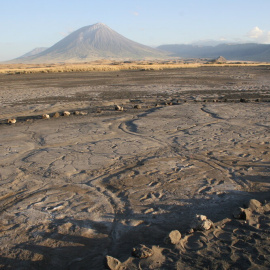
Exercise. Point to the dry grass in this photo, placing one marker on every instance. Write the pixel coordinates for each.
(110, 66)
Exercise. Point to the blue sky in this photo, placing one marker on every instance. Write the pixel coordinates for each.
(26, 24)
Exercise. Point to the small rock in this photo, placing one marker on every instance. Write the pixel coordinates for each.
(138, 106)
(80, 113)
(11, 121)
(45, 116)
(112, 263)
(201, 217)
(142, 251)
(66, 113)
(241, 213)
(173, 237)
(205, 225)
(99, 111)
(201, 223)
(238, 213)
(118, 108)
(266, 207)
(56, 115)
(254, 204)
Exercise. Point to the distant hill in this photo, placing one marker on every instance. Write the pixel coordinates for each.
(90, 43)
(34, 52)
(244, 52)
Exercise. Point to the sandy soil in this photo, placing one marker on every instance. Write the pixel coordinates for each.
(75, 189)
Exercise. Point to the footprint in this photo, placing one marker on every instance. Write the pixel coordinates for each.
(222, 235)
(204, 190)
(151, 195)
(152, 184)
(55, 207)
(213, 181)
(145, 197)
(195, 242)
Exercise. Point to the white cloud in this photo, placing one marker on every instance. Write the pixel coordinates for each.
(259, 35)
(255, 32)
(136, 13)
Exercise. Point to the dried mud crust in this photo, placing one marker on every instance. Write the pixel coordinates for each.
(76, 189)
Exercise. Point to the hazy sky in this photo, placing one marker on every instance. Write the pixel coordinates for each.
(26, 24)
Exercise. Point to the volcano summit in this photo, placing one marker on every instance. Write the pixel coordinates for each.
(93, 42)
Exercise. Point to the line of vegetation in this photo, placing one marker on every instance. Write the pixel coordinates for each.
(112, 66)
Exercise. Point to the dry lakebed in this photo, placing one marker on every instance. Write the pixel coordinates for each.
(83, 191)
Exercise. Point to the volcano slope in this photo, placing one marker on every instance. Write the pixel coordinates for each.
(75, 189)
(93, 42)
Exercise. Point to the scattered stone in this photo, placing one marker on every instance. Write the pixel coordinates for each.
(118, 108)
(138, 106)
(56, 115)
(201, 223)
(112, 263)
(142, 251)
(11, 121)
(241, 213)
(266, 207)
(99, 111)
(80, 113)
(238, 213)
(243, 100)
(45, 116)
(254, 205)
(173, 237)
(66, 113)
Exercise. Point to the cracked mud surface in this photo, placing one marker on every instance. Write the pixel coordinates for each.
(75, 189)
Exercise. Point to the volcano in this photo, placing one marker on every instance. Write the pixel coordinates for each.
(91, 43)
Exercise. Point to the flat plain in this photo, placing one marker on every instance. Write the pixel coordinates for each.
(189, 141)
